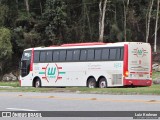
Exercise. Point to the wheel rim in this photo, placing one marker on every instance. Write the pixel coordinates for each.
(91, 85)
(37, 84)
(103, 84)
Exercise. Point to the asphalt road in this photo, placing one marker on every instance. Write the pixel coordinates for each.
(17, 101)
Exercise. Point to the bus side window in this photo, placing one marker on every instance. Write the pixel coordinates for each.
(98, 54)
(118, 56)
(76, 55)
(121, 58)
(42, 56)
(36, 56)
(105, 54)
(90, 55)
(55, 56)
(112, 54)
(83, 55)
(69, 55)
(49, 56)
(62, 55)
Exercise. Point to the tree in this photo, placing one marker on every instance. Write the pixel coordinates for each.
(27, 6)
(10, 10)
(5, 46)
(55, 17)
(148, 19)
(125, 19)
(155, 37)
(102, 11)
(3, 14)
(85, 14)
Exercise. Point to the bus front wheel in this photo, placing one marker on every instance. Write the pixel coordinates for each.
(37, 83)
(102, 83)
(91, 83)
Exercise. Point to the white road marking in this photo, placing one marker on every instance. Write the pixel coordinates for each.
(21, 109)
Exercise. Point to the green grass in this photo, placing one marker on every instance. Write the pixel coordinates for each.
(156, 75)
(152, 90)
(12, 84)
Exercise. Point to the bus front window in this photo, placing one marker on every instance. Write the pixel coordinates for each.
(25, 63)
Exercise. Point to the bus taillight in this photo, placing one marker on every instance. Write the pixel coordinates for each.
(126, 74)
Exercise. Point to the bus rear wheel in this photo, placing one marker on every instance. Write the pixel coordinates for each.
(37, 83)
(91, 83)
(102, 83)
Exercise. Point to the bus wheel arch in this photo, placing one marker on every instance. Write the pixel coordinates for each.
(102, 82)
(36, 82)
(91, 82)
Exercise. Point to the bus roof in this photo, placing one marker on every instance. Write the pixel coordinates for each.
(84, 45)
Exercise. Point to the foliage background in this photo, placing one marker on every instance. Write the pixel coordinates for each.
(31, 23)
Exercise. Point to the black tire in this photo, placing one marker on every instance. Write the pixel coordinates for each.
(91, 83)
(37, 83)
(102, 83)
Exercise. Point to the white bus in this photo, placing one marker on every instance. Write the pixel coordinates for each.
(88, 64)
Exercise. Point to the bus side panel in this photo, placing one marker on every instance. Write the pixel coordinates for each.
(76, 74)
(61, 74)
(27, 80)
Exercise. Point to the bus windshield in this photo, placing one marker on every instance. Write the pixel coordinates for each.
(25, 63)
(26, 55)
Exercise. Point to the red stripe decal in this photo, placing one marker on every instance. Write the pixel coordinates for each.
(125, 62)
(139, 72)
(32, 59)
(59, 77)
(151, 63)
(59, 67)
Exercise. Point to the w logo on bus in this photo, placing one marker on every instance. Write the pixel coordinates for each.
(51, 72)
(139, 52)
